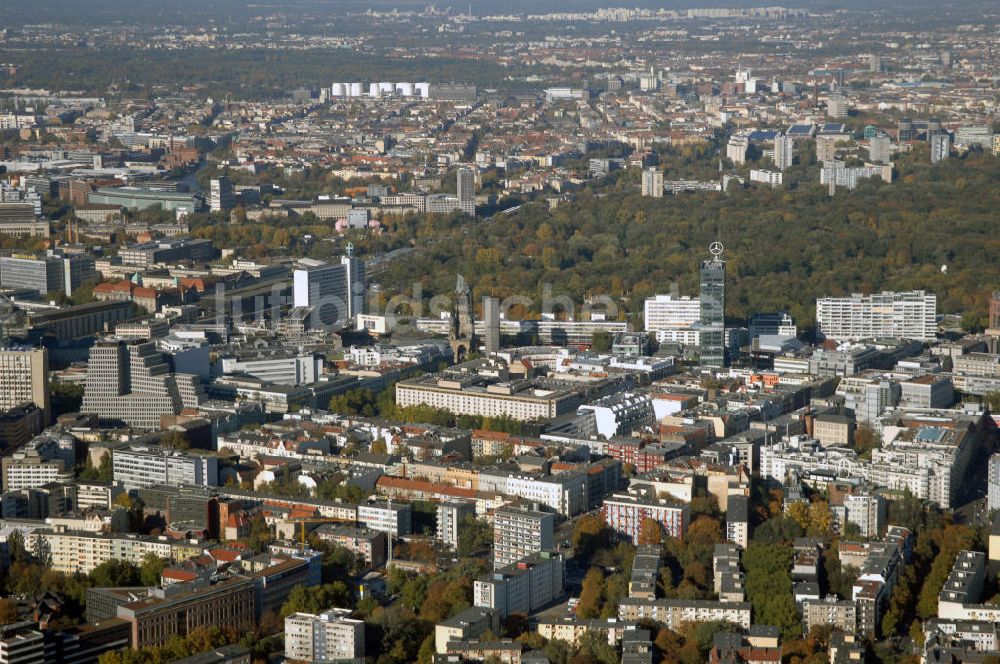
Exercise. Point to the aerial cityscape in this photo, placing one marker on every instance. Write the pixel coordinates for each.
(388, 332)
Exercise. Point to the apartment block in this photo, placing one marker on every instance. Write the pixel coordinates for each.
(518, 533)
(645, 571)
(564, 493)
(841, 614)
(449, 518)
(674, 612)
(960, 596)
(652, 182)
(625, 513)
(522, 587)
(738, 520)
(396, 520)
(369, 545)
(571, 628)
(993, 483)
(834, 430)
(72, 551)
(465, 626)
(24, 378)
(330, 636)
(867, 512)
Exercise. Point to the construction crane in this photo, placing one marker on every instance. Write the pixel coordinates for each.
(318, 519)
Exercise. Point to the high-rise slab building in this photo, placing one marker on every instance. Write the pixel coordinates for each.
(491, 320)
(519, 532)
(42, 275)
(466, 188)
(222, 196)
(24, 378)
(940, 147)
(713, 309)
(736, 149)
(449, 520)
(131, 382)
(836, 107)
(784, 151)
(904, 315)
(993, 483)
(51, 273)
(652, 182)
(879, 149)
(826, 149)
(335, 291)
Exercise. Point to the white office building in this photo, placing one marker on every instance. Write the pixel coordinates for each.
(284, 369)
(770, 178)
(904, 315)
(670, 312)
(620, 414)
(139, 467)
(385, 517)
(335, 291)
(869, 394)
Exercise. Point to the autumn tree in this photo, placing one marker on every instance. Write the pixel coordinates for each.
(591, 594)
(650, 532)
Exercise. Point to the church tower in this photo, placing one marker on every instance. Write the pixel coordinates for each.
(463, 327)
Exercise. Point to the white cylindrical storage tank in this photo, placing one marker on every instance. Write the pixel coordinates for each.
(338, 90)
(355, 89)
(373, 90)
(386, 88)
(423, 89)
(405, 89)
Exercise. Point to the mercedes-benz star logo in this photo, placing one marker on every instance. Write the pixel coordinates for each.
(716, 249)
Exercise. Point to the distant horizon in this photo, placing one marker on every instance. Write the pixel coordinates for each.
(65, 11)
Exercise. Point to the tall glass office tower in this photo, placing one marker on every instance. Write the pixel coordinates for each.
(713, 309)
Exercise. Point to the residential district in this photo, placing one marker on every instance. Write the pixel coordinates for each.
(221, 446)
